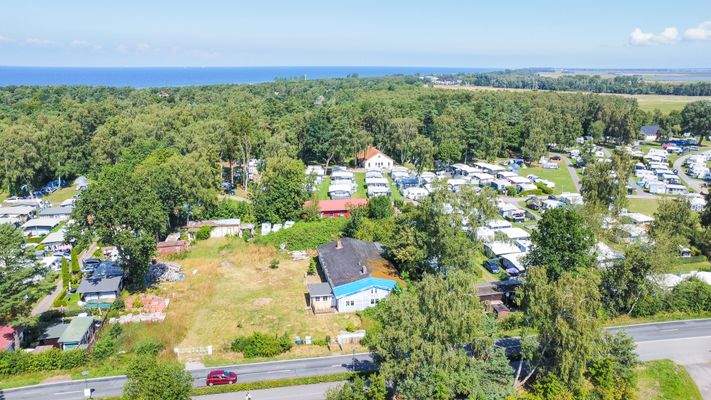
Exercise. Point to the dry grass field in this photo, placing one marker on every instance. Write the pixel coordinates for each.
(230, 291)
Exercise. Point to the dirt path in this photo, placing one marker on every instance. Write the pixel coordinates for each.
(46, 303)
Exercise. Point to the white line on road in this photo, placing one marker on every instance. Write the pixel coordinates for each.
(277, 371)
(672, 339)
(72, 392)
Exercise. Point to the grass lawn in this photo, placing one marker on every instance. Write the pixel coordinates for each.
(561, 177)
(395, 192)
(664, 380)
(685, 265)
(647, 102)
(665, 103)
(644, 206)
(323, 188)
(230, 291)
(360, 186)
(60, 195)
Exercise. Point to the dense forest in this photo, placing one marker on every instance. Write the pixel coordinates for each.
(51, 132)
(628, 84)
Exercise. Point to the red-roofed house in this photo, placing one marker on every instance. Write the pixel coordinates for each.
(7, 338)
(338, 208)
(372, 158)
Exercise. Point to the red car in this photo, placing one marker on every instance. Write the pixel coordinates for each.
(220, 377)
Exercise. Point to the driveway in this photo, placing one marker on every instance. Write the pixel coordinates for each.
(701, 373)
(695, 184)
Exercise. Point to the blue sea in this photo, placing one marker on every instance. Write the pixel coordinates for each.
(189, 76)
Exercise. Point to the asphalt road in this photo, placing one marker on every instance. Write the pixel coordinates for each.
(695, 184)
(113, 386)
(686, 342)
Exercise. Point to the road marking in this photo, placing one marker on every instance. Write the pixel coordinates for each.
(669, 330)
(278, 371)
(672, 339)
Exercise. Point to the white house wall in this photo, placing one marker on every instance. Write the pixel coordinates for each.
(379, 161)
(361, 300)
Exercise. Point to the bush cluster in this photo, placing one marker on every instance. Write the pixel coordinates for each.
(107, 344)
(261, 345)
(19, 362)
(203, 233)
(149, 347)
(306, 235)
(691, 296)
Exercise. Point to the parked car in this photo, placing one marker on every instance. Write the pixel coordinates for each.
(220, 377)
(555, 157)
(492, 265)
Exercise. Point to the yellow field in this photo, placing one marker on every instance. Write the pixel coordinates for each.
(647, 102)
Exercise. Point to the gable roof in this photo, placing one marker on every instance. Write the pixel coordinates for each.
(339, 205)
(41, 222)
(363, 284)
(369, 153)
(90, 285)
(648, 130)
(76, 329)
(55, 211)
(349, 262)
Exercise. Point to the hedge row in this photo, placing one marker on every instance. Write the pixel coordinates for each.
(306, 235)
(271, 384)
(18, 362)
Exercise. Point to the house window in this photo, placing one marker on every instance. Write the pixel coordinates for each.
(372, 301)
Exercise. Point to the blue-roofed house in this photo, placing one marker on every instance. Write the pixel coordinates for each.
(650, 133)
(347, 265)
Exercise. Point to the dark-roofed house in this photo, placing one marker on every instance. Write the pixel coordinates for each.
(61, 213)
(51, 334)
(79, 333)
(347, 265)
(100, 291)
(650, 133)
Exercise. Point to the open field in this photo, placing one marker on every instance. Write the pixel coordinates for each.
(230, 291)
(685, 265)
(664, 380)
(647, 206)
(323, 188)
(360, 186)
(647, 102)
(561, 177)
(60, 195)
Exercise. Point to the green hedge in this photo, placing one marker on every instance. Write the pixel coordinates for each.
(272, 384)
(18, 362)
(306, 235)
(261, 345)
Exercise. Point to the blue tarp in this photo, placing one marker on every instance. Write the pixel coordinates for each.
(363, 284)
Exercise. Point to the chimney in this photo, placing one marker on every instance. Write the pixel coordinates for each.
(339, 244)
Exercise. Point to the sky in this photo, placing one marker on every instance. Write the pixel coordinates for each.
(448, 33)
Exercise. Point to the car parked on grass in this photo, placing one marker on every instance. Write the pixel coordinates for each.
(220, 377)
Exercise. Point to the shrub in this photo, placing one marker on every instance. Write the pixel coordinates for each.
(148, 378)
(228, 208)
(274, 264)
(104, 347)
(543, 188)
(149, 347)
(118, 304)
(76, 268)
(60, 300)
(312, 267)
(305, 235)
(261, 345)
(380, 207)
(19, 362)
(66, 276)
(203, 233)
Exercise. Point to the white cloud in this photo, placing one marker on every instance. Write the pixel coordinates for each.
(5, 39)
(32, 41)
(700, 32)
(83, 44)
(139, 48)
(669, 35)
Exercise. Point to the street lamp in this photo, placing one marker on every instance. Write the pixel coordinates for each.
(87, 390)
